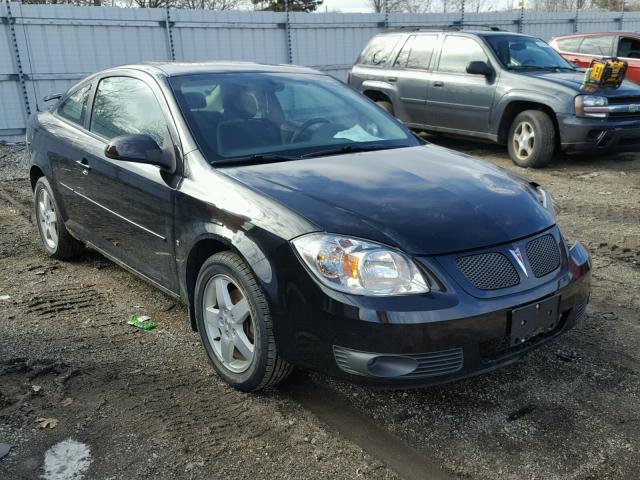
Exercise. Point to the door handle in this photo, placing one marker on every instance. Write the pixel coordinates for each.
(84, 163)
(392, 79)
(438, 84)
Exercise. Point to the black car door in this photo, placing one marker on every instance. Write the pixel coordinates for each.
(131, 203)
(65, 141)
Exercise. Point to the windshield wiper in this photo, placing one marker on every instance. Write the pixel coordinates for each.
(256, 158)
(347, 149)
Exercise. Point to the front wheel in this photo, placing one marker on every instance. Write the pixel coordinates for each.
(532, 139)
(235, 324)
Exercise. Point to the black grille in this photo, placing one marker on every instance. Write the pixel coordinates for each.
(544, 255)
(489, 271)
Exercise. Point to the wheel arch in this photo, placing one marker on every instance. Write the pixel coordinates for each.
(35, 172)
(377, 96)
(202, 249)
(515, 107)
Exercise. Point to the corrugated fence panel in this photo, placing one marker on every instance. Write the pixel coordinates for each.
(598, 21)
(60, 44)
(245, 36)
(544, 25)
(631, 22)
(331, 42)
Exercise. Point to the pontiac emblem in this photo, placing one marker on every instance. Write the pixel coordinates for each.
(633, 108)
(519, 259)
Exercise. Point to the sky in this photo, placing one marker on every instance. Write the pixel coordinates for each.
(347, 6)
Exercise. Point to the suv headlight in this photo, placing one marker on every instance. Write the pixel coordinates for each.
(592, 106)
(359, 267)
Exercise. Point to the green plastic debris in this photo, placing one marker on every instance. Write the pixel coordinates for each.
(142, 323)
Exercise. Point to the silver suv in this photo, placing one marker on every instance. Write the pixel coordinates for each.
(500, 86)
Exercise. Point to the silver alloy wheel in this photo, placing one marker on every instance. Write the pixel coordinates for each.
(523, 140)
(47, 219)
(228, 322)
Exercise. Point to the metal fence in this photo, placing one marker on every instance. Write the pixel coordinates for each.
(46, 48)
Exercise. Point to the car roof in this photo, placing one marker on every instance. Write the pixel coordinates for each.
(171, 69)
(591, 34)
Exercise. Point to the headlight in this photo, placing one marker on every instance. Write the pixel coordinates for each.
(359, 267)
(592, 106)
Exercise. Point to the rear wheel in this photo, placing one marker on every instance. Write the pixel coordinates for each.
(56, 240)
(387, 106)
(532, 139)
(235, 325)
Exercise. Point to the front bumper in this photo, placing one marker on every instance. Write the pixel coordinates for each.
(421, 339)
(579, 134)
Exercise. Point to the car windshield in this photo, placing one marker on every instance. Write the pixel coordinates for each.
(517, 52)
(238, 117)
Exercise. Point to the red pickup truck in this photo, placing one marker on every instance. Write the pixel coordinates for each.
(581, 48)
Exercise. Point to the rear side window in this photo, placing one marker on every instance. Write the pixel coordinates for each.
(629, 47)
(379, 49)
(417, 52)
(458, 52)
(596, 46)
(568, 44)
(74, 108)
(124, 106)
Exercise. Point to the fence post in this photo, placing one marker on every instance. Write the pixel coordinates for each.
(168, 24)
(386, 14)
(462, 5)
(11, 20)
(576, 19)
(521, 19)
(287, 29)
(621, 22)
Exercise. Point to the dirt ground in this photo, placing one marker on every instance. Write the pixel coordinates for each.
(149, 406)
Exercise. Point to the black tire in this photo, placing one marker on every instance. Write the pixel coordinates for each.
(65, 247)
(387, 106)
(544, 139)
(267, 368)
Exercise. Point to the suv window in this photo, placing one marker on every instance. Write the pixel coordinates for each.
(125, 105)
(569, 44)
(457, 52)
(74, 108)
(629, 47)
(596, 46)
(417, 52)
(379, 49)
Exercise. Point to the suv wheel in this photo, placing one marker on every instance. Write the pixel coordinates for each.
(532, 139)
(56, 240)
(387, 106)
(235, 325)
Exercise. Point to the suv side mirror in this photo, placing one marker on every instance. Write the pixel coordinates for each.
(479, 68)
(139, 149)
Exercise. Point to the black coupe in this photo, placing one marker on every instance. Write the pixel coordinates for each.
(302, 224)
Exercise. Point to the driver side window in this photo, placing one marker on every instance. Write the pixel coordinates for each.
(458, 52)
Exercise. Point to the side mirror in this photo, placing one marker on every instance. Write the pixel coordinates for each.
(140, 149)
(479, 68)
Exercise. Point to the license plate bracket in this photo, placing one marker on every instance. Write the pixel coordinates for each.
(534, 319)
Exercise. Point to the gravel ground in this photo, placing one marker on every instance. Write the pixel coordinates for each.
(149, 406)
(146, 403)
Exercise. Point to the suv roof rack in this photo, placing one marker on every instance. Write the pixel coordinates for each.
(453, 26)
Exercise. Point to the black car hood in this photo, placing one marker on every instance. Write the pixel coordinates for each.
(573, 80)
(425, 200)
